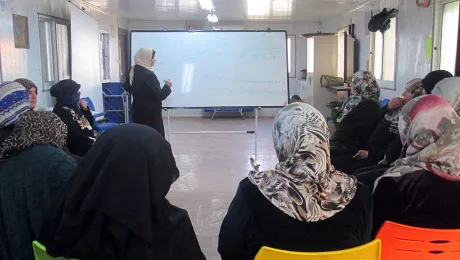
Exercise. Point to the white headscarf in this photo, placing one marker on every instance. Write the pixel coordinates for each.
(143, 58)
(449, 89)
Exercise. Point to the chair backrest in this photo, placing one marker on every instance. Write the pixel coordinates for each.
(40, 252)
(385, 102)
(412, 243)
(90, 103)
(370, 251)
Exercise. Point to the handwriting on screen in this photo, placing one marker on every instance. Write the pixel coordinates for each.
(220, 68)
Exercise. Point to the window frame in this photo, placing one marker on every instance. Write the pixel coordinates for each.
(107, 58)
(46, 85)
(384, 84)
(341, 52)
(437, 33)
(291, 61)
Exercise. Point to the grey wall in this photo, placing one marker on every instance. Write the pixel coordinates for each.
(415, 24)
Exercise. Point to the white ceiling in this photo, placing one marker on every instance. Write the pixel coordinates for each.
(227, 10)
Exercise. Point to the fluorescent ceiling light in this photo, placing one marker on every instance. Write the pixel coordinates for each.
(206, 4)
(212, 18)
(258, 8)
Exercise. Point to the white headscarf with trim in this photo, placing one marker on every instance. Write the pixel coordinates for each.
(449, 89)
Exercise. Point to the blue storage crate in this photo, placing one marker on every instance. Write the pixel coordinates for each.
(115, 116)
(113, 88)
(113, 103)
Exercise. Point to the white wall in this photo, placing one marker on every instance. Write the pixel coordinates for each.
(26, 63)
(292, 28)
(415, 24)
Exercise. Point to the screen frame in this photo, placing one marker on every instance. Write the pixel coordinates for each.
(216, 31)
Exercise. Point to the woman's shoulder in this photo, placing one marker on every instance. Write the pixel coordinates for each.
(42, 156)
(362, 201)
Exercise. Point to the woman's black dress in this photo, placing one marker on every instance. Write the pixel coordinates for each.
(148, 97)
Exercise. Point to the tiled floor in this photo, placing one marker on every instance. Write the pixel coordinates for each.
(211, 167)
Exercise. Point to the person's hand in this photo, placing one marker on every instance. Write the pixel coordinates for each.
(83, 104)
(169, 83)
(361, 155)
(395, 103)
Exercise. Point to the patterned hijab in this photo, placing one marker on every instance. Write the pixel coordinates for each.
(27, 83)
(143, 58)
(449, 89)
(14, 101)
(304, 184)
(365, 86)
(414, 87)
(430, 130)
(34, 127)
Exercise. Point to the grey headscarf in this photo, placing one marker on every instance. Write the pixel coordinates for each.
(304, 184)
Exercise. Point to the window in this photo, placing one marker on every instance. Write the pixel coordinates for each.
(104, 55)
(54, 49)
(341, 38)
(310, 55)
(291, 55)
(383, 56)
(446, 32)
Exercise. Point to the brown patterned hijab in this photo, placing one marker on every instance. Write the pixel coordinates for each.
(304, 184)
(34, 128)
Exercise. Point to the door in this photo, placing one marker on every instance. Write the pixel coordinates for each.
(123, 53)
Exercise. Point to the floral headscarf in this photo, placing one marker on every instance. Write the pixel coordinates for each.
(365, 86)
(34, 127)
(304, 184)
(430, 129)
(414, 87)
(449, 89)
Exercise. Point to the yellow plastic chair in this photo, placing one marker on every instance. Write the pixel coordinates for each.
(40, 252)
(370, 251)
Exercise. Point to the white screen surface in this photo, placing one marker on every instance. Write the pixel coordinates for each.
(219, 69)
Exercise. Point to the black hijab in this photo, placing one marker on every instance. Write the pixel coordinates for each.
(433, 78)
(114, 207)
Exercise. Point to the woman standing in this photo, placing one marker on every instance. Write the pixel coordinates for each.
(75, 114)
(146, 90)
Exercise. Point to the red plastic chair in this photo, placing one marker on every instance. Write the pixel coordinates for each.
(412, 243)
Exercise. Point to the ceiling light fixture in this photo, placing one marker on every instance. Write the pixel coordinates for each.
(212, 18)
(206, 4)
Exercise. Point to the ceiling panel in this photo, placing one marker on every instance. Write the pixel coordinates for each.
(242, 10)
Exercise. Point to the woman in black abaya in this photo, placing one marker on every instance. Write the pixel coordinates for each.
(114, 206)
(147, 91)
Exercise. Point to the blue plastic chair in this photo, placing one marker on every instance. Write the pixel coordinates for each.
(99, 127)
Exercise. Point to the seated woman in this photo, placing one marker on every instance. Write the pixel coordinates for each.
(294, 99)
(75, 114)
(433, 78)
(32, 91)
(13, 103)
(384, 143)
(33, 167)
(423, 188)
(449, 89)
(304, 204)
(355, 121)
(114, 207)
